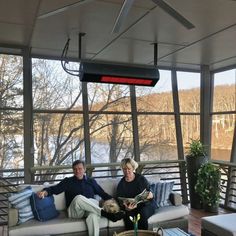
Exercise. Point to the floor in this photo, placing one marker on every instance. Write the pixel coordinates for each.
(194, 221)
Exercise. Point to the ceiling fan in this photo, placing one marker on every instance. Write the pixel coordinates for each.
(62, 9)
(127, 4)
(125, 8)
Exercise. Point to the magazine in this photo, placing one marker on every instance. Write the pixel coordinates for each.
(142, 197)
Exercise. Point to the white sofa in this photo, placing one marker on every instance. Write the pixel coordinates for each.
(167, 217)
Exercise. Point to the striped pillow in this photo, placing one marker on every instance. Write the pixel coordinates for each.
(161, 192)
(21, 201)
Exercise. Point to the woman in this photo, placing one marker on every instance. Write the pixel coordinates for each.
(129, 186)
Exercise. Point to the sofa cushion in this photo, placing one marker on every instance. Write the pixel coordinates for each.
(12, 217)
(175, 198)
(43, 208)
(109, 185)
(162, 214)
(161, 191)
(117, 224)
(167, 213)
(60, 225)
(21, 201)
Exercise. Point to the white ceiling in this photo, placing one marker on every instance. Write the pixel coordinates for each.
(212, 42)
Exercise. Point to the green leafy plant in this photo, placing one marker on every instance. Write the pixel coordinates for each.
(208, 184)
(196, 148)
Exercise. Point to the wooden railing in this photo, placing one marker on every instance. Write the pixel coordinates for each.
(9, 179)
(228, 184)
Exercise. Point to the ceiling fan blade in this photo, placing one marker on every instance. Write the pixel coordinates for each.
(171, 11)
(65, 8)
(127, 4)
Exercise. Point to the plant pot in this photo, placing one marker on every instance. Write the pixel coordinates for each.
(193, 165)
(212, 209)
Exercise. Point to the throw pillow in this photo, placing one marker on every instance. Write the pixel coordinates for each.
(21, 201)
(43, 208)
(161, 191)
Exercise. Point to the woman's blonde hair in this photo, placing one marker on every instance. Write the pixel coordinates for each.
(126, 161)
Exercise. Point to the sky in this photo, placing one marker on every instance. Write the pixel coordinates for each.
(189, 80)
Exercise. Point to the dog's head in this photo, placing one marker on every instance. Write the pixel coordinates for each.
(111, 206)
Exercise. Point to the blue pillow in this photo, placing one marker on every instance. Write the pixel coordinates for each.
(161, 192)
(21, 201)
(43, 208)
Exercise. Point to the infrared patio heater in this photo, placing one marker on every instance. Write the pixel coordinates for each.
(90, 71)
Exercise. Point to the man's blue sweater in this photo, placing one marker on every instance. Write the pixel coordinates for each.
(73, 186)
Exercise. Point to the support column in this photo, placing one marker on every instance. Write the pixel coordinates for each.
(206, 107)
(28, 116)
(230, 173)
(233, 149)
(85, 110)
(86, 123)
(179, 136)
(134, 123)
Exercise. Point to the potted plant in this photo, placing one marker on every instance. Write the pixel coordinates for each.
(208, 186)
(195, 157)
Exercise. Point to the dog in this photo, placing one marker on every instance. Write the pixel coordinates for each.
(111, 206)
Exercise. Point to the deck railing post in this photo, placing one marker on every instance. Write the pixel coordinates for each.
(183, 182)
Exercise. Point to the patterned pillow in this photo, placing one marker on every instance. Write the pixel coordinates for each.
(21, 201)
(161, 191)
(43, 208)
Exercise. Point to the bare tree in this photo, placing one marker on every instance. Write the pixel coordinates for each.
(59, 135)
(11, 120)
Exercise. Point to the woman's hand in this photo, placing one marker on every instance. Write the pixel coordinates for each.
(130, 206)
(42, 194)
(150, 195)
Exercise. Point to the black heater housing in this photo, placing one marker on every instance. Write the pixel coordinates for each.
(119, 74)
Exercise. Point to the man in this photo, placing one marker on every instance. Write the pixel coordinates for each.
(79, 193)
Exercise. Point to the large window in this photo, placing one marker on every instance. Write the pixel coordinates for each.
(108, 97)
(158, 98)
(11, 112)
(53, 88)
(189, 103)
(157, 137)
(156, 124)
(111, 138)
(189, 91)
(112, 116)
(224, 97)
(224, 114)
(110, 122)
(58, 138)
(58, 120)
(190, 127)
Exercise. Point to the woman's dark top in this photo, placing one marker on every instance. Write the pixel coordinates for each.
(145, 209)
(133, 188)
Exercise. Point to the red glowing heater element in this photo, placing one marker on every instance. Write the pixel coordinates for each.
(118, 74)
(125, 80)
